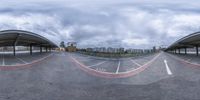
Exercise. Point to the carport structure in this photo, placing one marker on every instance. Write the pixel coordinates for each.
(24, 38)
(190, 41)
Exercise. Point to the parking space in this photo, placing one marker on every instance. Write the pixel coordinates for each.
(109, 66)
(127, 65)
(142, 59)
(11, 60)
(27, 58)
(91, 62)
(112, 65)
(20, 58)
(192, 58)
(60, 72)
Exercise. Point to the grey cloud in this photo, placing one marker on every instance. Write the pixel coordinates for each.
(106, 24)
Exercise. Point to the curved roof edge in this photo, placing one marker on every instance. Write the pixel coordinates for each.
(178, 42)
(28, 33)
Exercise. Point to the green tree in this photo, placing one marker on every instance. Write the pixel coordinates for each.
(62, 44)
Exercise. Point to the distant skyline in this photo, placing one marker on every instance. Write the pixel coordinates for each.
(104, 23)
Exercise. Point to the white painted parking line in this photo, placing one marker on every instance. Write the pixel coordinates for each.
(136, 63)
(167, 68)
(22, 60)
(117, 71)
(97, 64)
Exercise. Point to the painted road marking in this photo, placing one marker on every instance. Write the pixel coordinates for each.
(97, 64)
(136, 63)
(167, 68)
(22, 60)
(117, 71)
(101, 69)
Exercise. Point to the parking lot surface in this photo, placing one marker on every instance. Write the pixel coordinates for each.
(20, 58)
(64, 76)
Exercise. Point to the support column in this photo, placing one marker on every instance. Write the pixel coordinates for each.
(175, 51)
(49, 49)
(31, 47)
(46, 49)
(179, 51)
(197, 50)
(40, 49)
(14, 50)
(185, 50)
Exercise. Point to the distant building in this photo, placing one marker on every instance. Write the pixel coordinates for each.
(116, 50)
(71, 46)
(102, 49)
(89, 49)
(129, 50)
(110, 50)
(121, 50)
(96, 49)
(154, 49)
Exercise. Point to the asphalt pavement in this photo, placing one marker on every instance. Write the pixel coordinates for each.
(20, 58)
(72, 76)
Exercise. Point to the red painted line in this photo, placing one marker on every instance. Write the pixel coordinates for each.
(113, 75)
(22, 66)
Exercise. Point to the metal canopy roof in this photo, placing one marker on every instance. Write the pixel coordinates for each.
(23, 38)
(187, 41)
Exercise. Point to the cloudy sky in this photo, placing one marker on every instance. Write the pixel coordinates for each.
(109, 23)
